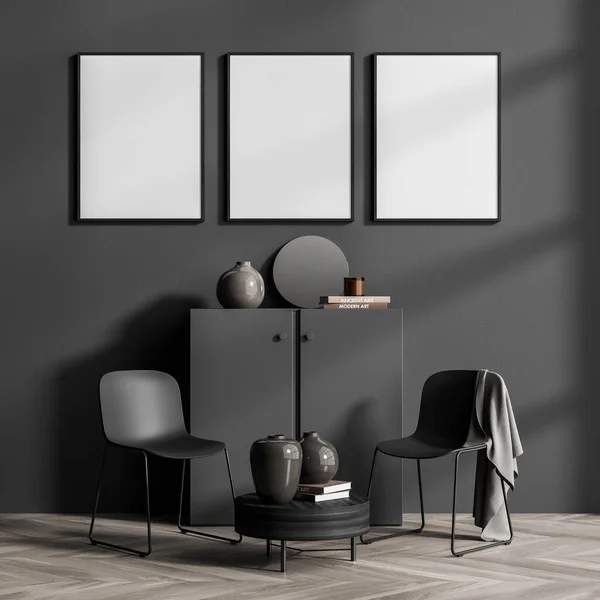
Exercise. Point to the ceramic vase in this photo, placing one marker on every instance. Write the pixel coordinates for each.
(276, 463)
(241, 286)
(320, 459)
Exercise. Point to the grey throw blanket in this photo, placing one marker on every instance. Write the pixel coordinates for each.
(494, 415)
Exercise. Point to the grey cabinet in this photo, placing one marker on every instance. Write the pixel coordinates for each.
(351, 393)
(255, 372)
(242, 388)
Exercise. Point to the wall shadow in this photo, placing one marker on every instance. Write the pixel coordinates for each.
(155, 337)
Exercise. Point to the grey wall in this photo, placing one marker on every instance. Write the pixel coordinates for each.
(517, 297)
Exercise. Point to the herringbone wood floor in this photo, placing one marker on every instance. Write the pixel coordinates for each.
(49, 556)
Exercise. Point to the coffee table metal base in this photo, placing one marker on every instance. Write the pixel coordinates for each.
(283, 548)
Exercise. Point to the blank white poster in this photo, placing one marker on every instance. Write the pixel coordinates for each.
(290, 137)
(140, 137)
(436, 137)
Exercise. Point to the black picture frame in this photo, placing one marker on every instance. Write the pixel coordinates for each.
(231, 219)
(463, 221)
(109, 221)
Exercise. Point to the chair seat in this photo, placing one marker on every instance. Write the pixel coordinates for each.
(184, 446)
(417, 447)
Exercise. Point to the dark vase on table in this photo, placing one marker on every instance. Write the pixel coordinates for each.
(276, 463)
(320, 461)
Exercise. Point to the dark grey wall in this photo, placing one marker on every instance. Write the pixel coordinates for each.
(517, 297)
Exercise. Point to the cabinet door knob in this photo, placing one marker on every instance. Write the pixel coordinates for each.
(280, 337)
(309, 336)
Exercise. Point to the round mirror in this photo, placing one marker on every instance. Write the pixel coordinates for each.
(310, 267)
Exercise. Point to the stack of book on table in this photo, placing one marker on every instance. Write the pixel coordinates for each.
(354, 302)
(322, 492)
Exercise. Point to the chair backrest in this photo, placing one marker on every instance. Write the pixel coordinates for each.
(447, 403)
(140, 406)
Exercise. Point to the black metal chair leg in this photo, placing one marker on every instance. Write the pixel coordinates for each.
(405, 531)
(353, 549)
(483, 546)
(210, 536)
(283, 556)
(95, 542)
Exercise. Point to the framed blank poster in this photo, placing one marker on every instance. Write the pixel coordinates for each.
(290, 137)
(140, 137)
(437, 137)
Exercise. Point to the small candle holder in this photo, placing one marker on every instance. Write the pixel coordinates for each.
(354, 286)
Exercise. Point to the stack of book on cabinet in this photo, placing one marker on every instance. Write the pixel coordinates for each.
(354, 302)
(322, 492)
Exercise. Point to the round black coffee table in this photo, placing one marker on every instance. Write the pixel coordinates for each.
(346, 518)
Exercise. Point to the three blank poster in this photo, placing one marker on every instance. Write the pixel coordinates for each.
(290, 131)
(436, 137)
(290, 137)
(140, 137)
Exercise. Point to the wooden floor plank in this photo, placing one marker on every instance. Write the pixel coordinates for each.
(553, 557)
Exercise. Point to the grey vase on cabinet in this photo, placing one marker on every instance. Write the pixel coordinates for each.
(276, 463)
(320, 459)
(242, 286)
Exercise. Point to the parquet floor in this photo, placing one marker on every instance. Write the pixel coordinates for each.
(49, 556)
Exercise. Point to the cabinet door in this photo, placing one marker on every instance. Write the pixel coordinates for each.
(351, 393)
(242, 389)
